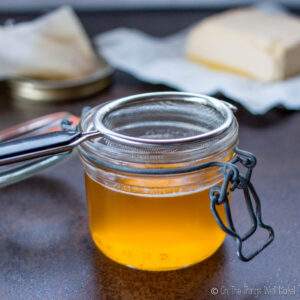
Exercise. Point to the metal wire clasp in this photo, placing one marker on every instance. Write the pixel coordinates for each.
(219, 195)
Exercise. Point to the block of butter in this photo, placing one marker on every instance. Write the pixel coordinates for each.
(248, 42)
(54, 46)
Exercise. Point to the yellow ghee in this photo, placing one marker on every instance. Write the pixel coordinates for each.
(160, 231)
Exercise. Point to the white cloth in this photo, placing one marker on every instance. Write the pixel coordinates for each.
(52, 46)
(162, 61)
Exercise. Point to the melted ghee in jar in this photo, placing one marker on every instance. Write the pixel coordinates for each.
(152, 231)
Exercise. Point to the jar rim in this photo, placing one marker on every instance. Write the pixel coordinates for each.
(184, 119)
(221, 106)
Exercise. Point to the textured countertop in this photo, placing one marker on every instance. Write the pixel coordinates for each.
(46, 251)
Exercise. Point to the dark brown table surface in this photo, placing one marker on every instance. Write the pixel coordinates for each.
(46, 251)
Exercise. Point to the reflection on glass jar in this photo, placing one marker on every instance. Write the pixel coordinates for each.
(140, 215)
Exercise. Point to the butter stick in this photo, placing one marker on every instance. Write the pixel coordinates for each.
(248, 42)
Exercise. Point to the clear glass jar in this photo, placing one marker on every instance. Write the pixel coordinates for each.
(145, 210)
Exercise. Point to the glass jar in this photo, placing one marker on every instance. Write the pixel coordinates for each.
(145, 210)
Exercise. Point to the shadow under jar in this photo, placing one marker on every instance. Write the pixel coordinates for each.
(145, 210)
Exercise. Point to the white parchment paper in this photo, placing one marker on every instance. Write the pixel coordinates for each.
(162, 61)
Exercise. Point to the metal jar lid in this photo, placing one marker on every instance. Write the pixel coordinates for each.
(23, 88)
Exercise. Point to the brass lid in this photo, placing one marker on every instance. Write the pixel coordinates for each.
(23, 88)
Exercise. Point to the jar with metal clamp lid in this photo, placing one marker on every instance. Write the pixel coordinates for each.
(158, 181)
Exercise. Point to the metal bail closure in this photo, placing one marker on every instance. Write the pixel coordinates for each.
(219, 195)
